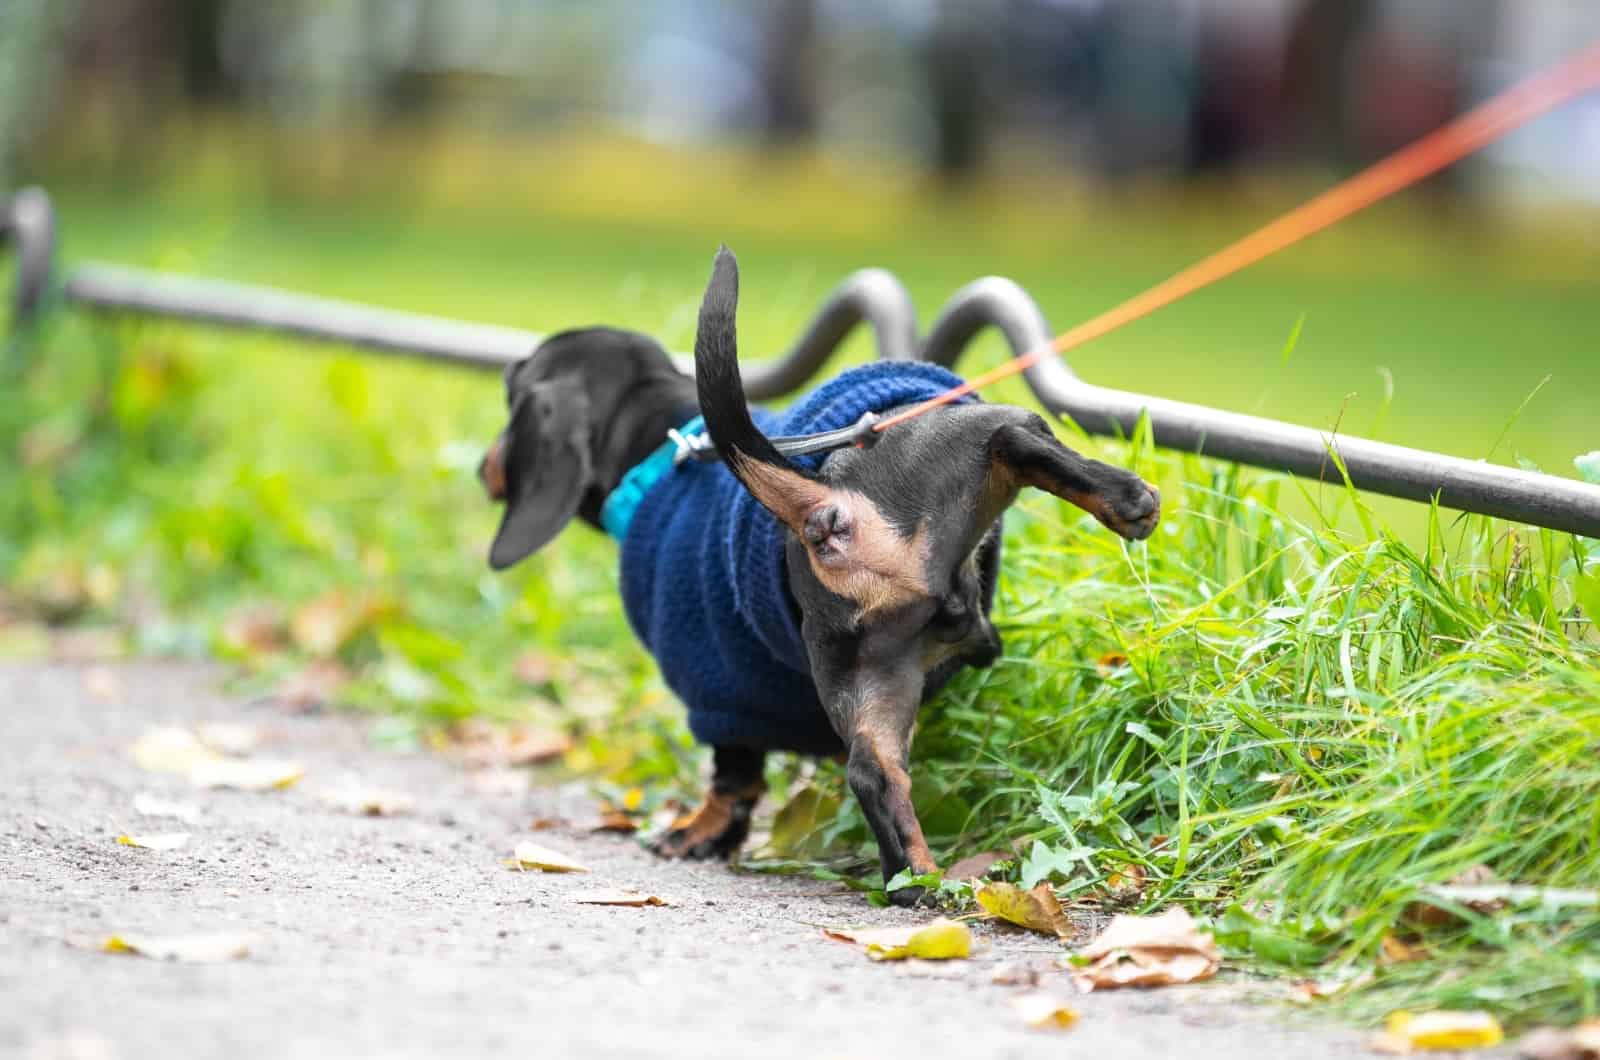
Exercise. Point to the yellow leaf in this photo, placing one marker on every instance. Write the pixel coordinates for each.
(1037, 910)
(1444, 1030)
(1148, 951)
(163, 841)
(618, 897)
(1044, 1011)
(246, 774)
(200, 949)
(940, 940)
(632, 799)
(543, 859)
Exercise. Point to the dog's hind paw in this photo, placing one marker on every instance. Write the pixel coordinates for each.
(715, 830)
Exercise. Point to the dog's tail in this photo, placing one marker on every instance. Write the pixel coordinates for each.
(782, 488)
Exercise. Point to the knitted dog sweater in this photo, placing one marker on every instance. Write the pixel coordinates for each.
(705, 585)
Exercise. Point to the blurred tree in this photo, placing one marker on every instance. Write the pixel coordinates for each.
(958, 58)
(29, 32)
(789, 71)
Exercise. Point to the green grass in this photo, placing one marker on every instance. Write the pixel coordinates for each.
(1318, 717)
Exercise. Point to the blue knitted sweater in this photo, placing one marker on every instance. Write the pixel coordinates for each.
(705, 585)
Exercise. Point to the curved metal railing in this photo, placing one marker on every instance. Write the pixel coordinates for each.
(874, 297)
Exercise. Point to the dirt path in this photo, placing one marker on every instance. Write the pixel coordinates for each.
(406, 936)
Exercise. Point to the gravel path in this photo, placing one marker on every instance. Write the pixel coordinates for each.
(406, 936)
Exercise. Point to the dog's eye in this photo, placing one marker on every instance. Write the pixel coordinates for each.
(952, 622)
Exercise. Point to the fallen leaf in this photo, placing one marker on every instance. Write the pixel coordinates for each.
(200, 949)
(797, 828)
(1127, 882)
(228, 737)
(326, 624)
(500, 781)
(1443, 1030)
(1015, 973)
(246, 774)
(613, 820)
(533, 856)
(155, 841)
(1037, 910)
(102, 685)
(533, 668)
(255, 630)
(153, 806)
(1044, 1011)
(939, 940)
(1430, 914)
(636, 899)
(1574, 1043)
(1148, 951)
(540, 824)
(170, 749)
(1305, 991)
(1394, 950)
(368, 802)
(977, 866)
(314, 686)
(1110, 663)
(480, 745)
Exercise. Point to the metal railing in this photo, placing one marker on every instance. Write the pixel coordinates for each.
(871, 296)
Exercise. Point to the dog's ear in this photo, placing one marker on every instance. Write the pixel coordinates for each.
(548, 466)
(1029, 455)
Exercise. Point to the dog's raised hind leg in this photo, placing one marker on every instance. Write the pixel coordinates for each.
(719, 826)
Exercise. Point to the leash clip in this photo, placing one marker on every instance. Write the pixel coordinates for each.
(695, 446)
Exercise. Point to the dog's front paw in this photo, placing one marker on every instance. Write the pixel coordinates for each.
(913, 898)
(1131, 509)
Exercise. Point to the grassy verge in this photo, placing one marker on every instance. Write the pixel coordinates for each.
(1278, 711)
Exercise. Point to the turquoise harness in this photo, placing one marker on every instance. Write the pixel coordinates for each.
(616, 514)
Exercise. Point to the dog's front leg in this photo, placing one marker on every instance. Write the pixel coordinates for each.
(720, 825)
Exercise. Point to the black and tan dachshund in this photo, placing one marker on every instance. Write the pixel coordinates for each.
(887, 554)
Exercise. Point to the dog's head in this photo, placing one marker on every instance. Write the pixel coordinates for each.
(567, 437)
(888, 542)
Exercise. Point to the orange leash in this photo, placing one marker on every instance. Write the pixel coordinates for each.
(1477, 128)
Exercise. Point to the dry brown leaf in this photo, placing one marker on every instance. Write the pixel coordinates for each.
(228, 737)
(155, 840)
(247, 774)
(480, 745)
(1127, 882)
(540, 824)
(170, 749)
(324, 625)
(1110, 663)
(1015, 973)
(938, 940)
(1406, 1032)
(1305, 991)
(1573, 1043)
(1037, 910)
(637, 899)
(1044, 1011)
(313, 686)
(533, 856)
(1428, 914)
(368, 802)
(977, 866)
(258, 629)
(1148, 951)
(614, 820)
(199, 949)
